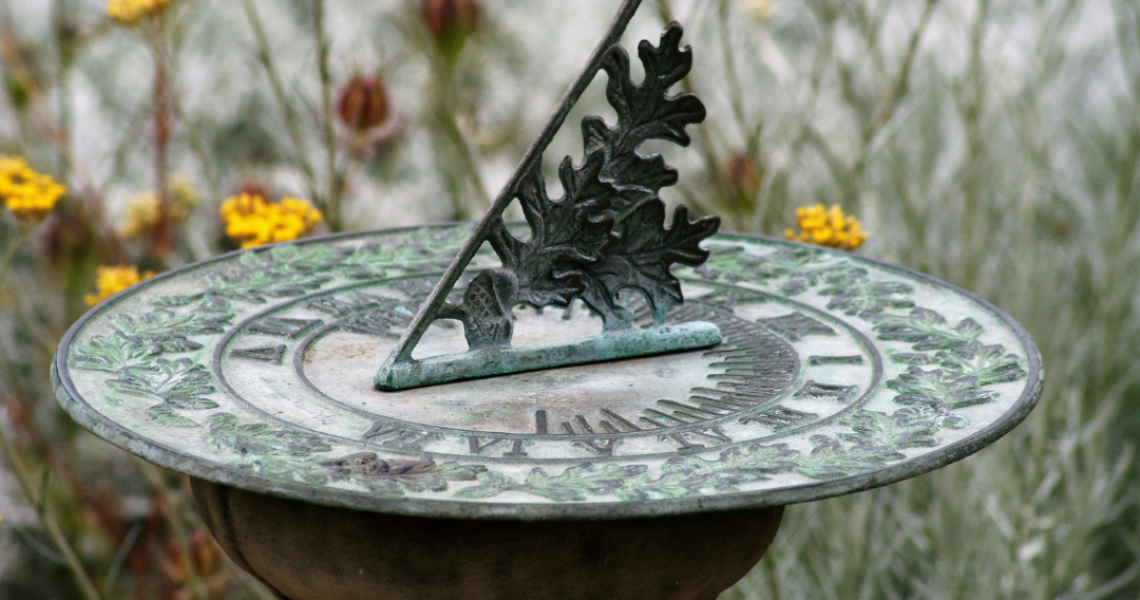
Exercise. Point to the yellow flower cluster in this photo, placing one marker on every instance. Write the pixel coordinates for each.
(29, 195)
(827, 227)
(253, 221)
(128, 11)
(112, 280)
(143, 210)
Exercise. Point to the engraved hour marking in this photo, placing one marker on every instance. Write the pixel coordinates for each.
(287, 328)
(540, 426)
(606, 449)
(797, 325)
(620, 419)
(269, 354)
(813, 389)
(816, 361)
(477, 447)
(779, 417)
(516, 449)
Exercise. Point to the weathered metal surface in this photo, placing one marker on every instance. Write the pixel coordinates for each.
(606, 236)
(836, 374)
(608, 345)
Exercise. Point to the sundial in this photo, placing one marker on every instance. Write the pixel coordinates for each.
(602, 401)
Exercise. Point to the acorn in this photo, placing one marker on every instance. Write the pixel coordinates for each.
(451, 23)
(363, 103)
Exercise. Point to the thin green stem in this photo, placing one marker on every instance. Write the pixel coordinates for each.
(466, 153)
(174, 516)
(22, 232)
(335, 218)
(895, 92)
(39, 501)
(265, 56)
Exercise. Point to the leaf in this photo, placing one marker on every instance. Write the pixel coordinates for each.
(927, 330)
(988, 364)
(640, 258)
(164, 414)
(645, 112)
(939, 389)
(260, 439)
(855, 294)
(899, 430)
(111, 353)
(565, 234)
(830, 460)
(180, 383)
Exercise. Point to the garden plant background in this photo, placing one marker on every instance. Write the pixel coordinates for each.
(994, 144)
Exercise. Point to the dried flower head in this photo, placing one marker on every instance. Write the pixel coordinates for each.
(114, 279)
(143, 211)
(451, 23)
(129, 11)
(28, 194)
(252, 221)
(827, 227)
(363, 103)
(744, 177)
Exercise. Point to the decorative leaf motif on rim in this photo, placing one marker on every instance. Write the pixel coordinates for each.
(681, 476)
(178, 384)
(926, 330)
(939, 389)
(856, 294)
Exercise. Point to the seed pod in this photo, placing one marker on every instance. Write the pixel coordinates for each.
(451, 23)
(363, 103)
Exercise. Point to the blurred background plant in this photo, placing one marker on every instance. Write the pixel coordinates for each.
(993, 144)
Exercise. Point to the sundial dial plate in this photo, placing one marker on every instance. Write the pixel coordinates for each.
(835, 374)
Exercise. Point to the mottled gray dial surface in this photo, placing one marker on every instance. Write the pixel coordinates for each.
(836, 374)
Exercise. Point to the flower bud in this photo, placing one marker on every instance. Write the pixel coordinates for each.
(363, 103)
(451, 22)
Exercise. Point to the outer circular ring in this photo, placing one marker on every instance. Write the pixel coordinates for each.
(163, 455)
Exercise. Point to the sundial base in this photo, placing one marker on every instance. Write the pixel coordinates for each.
(599, 348)
(306, 551)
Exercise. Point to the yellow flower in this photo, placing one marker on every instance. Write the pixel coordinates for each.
(762, 10)
(253, 221)
(128, 11)
(29, 195)
(112, 280)
(827, 227)
(143, 209)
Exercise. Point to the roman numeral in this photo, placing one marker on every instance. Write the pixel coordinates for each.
(813, 389)
(286, 328)
(269, 354)
(606, 449)
(795, 326)
(477, 445)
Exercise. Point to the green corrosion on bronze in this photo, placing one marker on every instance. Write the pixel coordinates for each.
(496, 361)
